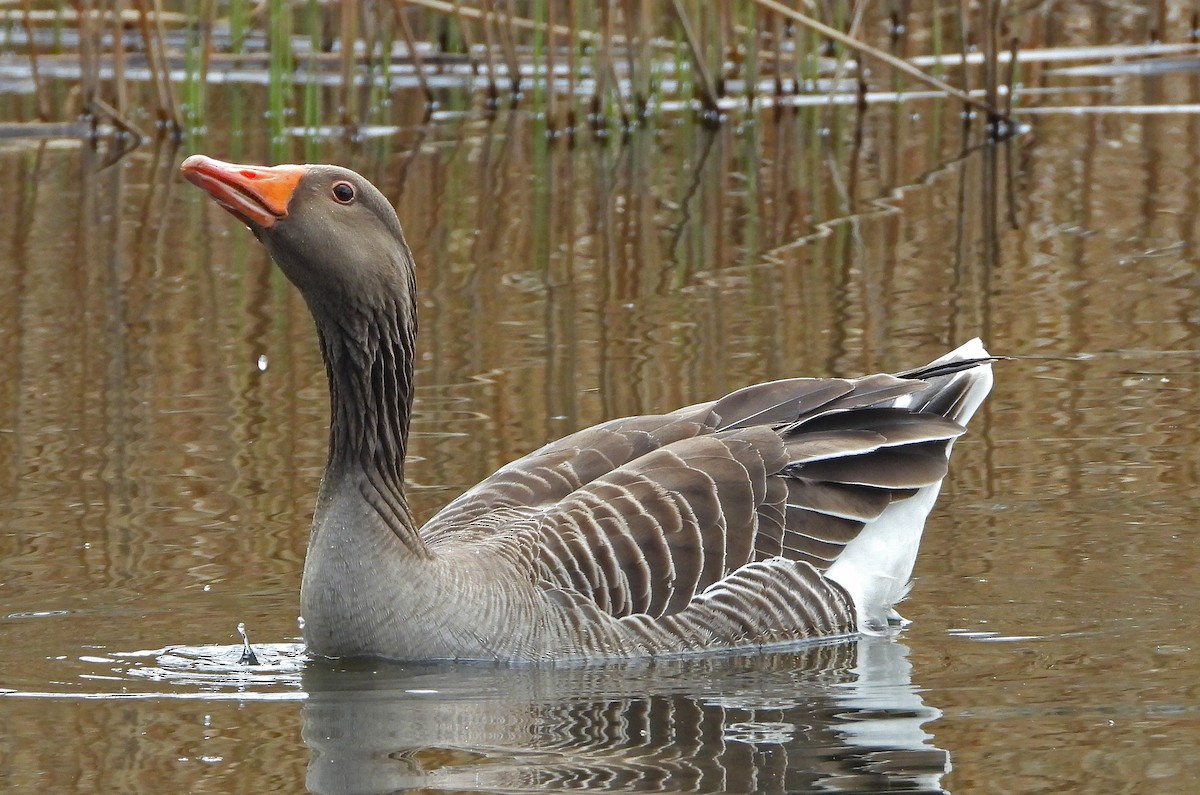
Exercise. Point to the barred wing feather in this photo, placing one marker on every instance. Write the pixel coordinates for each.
(691, 516)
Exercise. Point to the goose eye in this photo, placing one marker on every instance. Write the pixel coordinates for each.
(343, 192)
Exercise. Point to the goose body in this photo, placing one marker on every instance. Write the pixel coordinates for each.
(782, 512)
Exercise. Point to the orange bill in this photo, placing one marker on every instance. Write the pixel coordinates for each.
(256, 195)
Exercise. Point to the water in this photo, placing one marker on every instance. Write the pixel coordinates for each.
(162, 430)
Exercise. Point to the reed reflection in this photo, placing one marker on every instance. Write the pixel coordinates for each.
(844, 716)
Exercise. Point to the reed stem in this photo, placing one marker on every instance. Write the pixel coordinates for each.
(620, 57)
(706, 90)
(414, 53)
(865, 49)
(278, 84)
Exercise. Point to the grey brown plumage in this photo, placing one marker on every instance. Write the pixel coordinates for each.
(782, 512)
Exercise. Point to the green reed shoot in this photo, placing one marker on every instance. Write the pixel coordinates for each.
(750, 59)
(312, 83)
(543, 86)
(280, 67)
(193, 85)
(381, 88)
(607, 50)
(238, 24)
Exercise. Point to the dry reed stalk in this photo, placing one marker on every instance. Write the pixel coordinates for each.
(118, 119)
(610, 67)
(120, 88)
(964, 44)
(1158, 22)
(1010, 81)
(865, 49)
(724, 25)
(446, 7)
(991, 77)
(507, 47)
(174, 121)
(777, 52)
(601, 60)
(398, 9)
(374, 33)
(860, 75)
(168, 113)
(632, 61)
(551, 46)
(746, 36)
(704, 82)
(839, 70)
(488, 53)
(572, 65)
(464, 31)
(89, 59)
(349, 41)
(508, 37)
(41, 99)
(645, 25)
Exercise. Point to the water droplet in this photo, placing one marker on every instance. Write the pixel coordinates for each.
(248, 656)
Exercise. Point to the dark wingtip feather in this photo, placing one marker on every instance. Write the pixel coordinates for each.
(939, 369)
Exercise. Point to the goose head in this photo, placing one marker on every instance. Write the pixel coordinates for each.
(330, 231)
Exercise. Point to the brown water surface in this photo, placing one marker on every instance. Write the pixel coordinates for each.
(162, 432)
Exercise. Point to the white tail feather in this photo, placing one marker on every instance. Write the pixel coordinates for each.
(876, 567)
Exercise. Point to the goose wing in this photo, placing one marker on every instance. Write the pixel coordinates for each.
(639, 515)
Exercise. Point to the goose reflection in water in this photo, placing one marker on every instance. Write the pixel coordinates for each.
(836, 717)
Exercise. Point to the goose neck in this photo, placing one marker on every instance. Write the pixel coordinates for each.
(368, 357)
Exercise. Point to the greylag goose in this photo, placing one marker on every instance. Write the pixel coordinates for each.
(782, 512)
